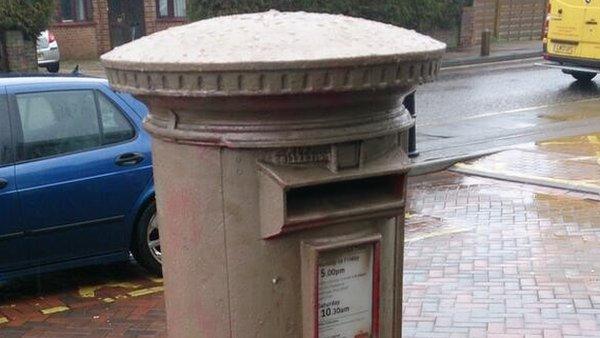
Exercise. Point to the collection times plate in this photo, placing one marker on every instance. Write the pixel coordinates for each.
(345, 292)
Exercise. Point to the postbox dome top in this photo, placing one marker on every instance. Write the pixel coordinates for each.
(261, 44)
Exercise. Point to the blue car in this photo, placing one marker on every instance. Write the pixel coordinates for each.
(76, 182)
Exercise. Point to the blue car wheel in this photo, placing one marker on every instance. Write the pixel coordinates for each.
(146, 242)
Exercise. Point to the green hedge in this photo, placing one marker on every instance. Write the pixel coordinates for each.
(29, 16)
(423, 15)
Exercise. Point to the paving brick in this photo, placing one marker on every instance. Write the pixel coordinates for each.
(519, 252)
(21, 301)
(552, 333)
(588, 325)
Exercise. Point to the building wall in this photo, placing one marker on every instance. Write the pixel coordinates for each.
(154, 23)
(102, 29)
(476, 19)
(77, 41)
(467, 29)
(19, 55)
(508, 20)
(88, 40)
(520, 20)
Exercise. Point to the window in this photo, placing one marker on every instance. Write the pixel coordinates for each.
(75, 10)
(5, 141)
(171, 8)
(115, 126)
(62, 122)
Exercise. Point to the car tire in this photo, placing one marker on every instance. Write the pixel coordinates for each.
(583, 76)
(146, 241)
(53, 68)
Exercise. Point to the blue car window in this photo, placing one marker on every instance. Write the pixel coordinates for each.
(115, 127)
(57, 122)
(6, 153)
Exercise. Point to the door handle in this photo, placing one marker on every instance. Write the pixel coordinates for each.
(591, 22)
(129, 159)
(3, 183)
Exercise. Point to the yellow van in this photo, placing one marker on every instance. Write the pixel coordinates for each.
(572, 37)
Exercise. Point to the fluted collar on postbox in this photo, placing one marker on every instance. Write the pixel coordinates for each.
(275, 79)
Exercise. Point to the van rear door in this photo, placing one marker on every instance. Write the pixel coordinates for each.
(566, 27)
(590, 42)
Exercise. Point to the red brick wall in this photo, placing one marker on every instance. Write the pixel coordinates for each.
(19, 55)
(150, 16)
(521, 20)
(83, 40)
(507, 19)
(155, 24)
(162, 24)
(480, 16)
(76, 41)
(102, 33)
(92, 39)
(467, 28)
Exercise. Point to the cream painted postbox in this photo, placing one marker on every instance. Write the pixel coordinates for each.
(279, 144)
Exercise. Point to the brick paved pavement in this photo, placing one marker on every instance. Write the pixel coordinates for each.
(571, 163)
(483, 258)
(102, 301)
(501, 260)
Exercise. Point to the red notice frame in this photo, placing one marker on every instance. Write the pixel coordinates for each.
(310, 278)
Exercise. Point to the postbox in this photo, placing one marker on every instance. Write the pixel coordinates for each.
(280, 161)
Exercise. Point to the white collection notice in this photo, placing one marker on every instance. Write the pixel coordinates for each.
(346, 292)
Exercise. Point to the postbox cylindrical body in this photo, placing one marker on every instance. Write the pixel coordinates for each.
(279, 147)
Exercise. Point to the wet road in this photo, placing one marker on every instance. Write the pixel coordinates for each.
(467, 92)
(477, 108)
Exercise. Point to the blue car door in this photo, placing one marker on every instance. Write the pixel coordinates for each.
(81, 165)
(13, 252)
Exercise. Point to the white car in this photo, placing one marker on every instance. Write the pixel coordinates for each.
(48, 55)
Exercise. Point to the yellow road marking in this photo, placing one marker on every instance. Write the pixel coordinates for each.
(593, 139)
(581, 158)
(444, 232)
(55, 309)
(90, 291)
(595, 184)
(147, 291)
(124, 285)
(3, 320)
(552, 143)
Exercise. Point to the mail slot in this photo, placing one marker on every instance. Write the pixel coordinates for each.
(295, 198)
(322, 203)
(279, 147)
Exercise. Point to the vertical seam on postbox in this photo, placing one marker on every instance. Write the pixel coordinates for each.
(398, 276)
(225, 242)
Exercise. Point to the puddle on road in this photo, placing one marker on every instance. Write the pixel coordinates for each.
(571, 111)
(421, 227)
(572, 217)
(569, 162)
(584, 148)
(548, 233)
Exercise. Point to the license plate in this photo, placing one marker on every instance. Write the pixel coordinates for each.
(562, 48)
